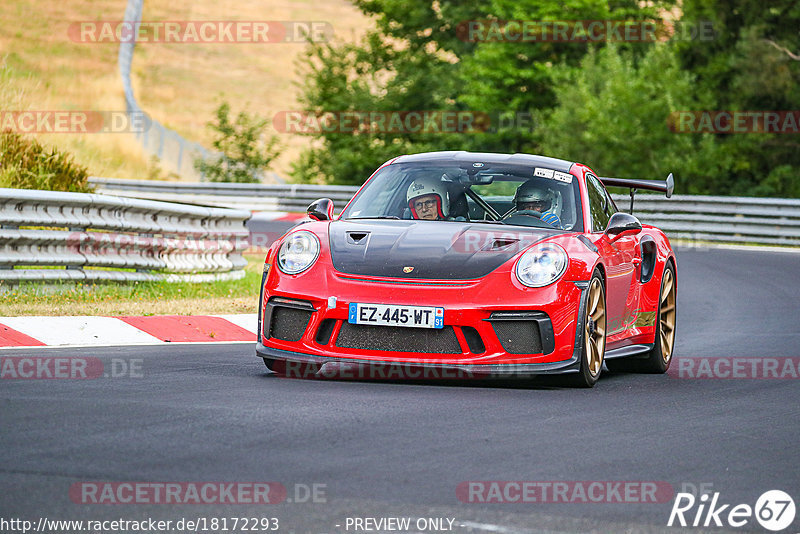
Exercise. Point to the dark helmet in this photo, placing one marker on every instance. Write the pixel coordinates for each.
(532, 192)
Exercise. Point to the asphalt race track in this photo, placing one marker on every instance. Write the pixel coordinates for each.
(392, 449)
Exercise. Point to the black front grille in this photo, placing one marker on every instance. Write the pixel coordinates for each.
(398, 339)
(288, 324)
(325, 331)
(519, 337)
(474, 341)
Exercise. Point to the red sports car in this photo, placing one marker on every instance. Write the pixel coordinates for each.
(472, 263)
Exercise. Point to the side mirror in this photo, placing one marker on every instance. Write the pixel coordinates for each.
(621, 224)
(321, 210)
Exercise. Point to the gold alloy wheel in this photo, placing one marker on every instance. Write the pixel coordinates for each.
(667, 312)
(594, 338)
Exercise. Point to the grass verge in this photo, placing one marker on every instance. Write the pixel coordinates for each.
(138, 298)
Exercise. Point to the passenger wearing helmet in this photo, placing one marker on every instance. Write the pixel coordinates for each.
(428, 199)
(532, 197)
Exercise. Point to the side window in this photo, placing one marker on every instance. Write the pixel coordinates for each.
(600, 206)
(611, 206)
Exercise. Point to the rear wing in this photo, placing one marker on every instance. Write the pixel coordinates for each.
(667, 186)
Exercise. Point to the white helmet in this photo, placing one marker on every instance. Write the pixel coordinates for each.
(429, 186)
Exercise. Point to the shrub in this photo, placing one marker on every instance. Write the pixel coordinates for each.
(26, 164)
(244, 155)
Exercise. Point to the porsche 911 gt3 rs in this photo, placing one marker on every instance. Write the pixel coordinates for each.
(491, 264)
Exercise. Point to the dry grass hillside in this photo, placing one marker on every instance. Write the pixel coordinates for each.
(41, 68)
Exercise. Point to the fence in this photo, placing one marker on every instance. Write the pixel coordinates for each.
(769, 221)
(173, 150)
(254, 197)
(50, 236)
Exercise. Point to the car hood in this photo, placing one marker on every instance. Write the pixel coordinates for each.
(442, 250)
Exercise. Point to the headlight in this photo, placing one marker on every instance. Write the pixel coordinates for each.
(298, 252)
(542, 265)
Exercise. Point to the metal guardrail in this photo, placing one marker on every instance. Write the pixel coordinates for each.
(764, 221)
(254, 197)
(768, 221)
(51, 236)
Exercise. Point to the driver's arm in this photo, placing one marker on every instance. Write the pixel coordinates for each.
(551, 219)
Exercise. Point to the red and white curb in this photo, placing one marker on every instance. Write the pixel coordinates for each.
(129, 330)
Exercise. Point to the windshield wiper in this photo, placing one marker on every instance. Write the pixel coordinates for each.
(393, 217)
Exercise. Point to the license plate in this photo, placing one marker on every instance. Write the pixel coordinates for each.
(391, 315)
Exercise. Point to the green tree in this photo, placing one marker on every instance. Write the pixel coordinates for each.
(244, 153)
(417, 59)
(751, 64)
(613, 115)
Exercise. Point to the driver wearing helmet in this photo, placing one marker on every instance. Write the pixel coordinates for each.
(428, 199)
(531, 196)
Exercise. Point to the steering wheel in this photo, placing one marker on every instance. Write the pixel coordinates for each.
(530, 213)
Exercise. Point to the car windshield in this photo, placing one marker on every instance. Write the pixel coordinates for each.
(518, 195)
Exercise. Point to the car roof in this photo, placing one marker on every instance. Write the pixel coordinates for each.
(462, 156)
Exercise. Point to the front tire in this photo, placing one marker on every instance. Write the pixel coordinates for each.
(594, 335)
(273, 366)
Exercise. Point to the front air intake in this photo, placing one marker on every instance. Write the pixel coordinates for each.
(524, 332)
(394, 339)
(287, 319)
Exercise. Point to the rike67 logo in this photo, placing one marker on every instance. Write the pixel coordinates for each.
(774, 510)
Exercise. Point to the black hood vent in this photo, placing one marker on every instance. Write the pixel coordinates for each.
(441, 250)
